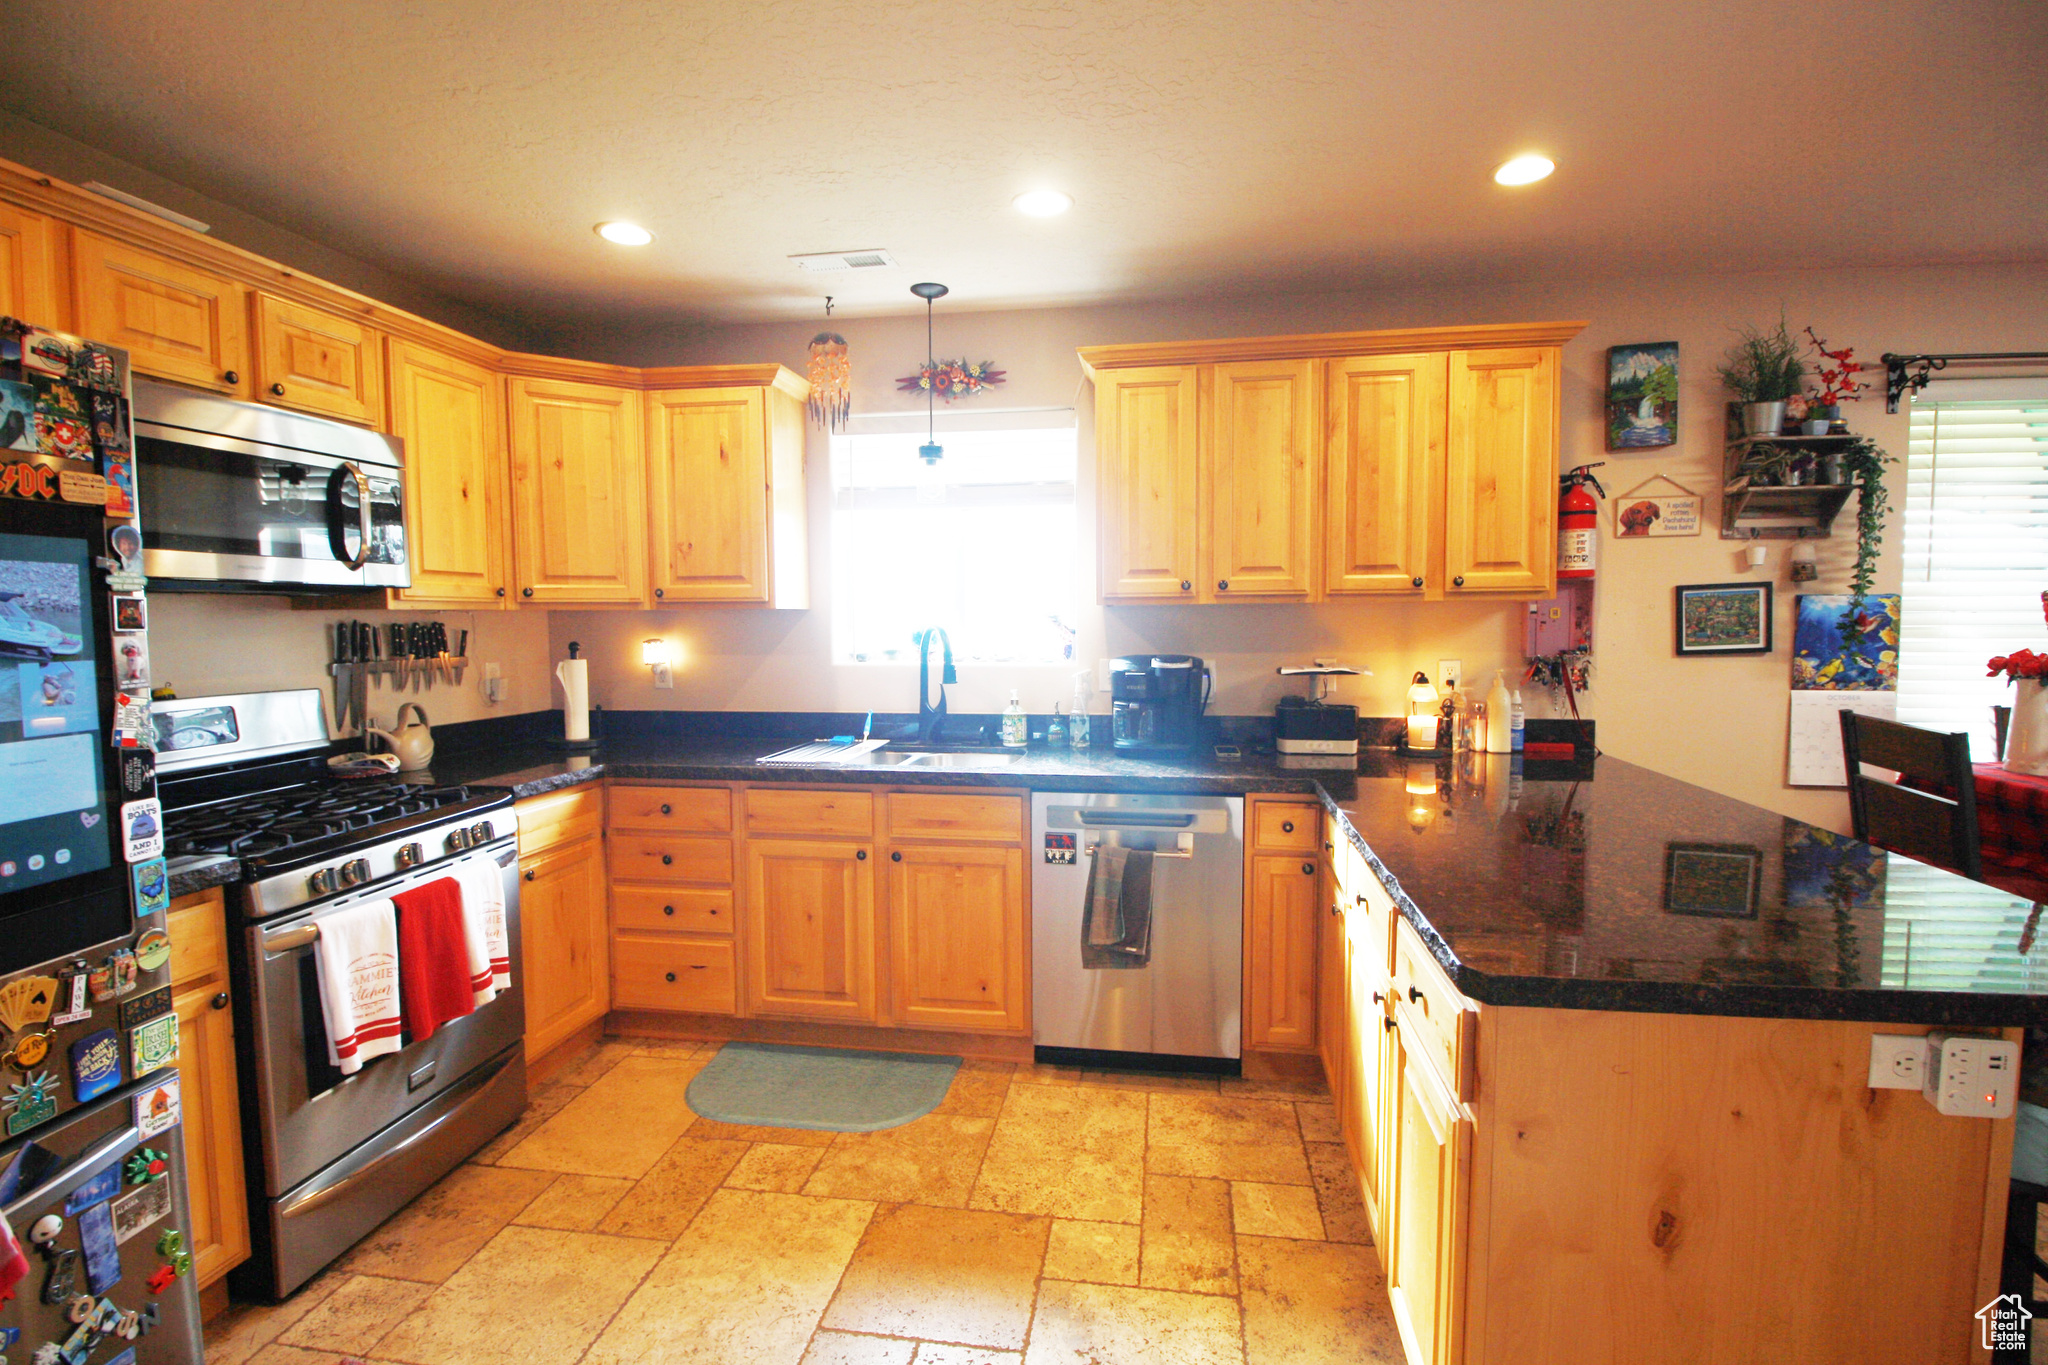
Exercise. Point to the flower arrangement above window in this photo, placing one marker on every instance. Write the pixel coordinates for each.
(950, 379)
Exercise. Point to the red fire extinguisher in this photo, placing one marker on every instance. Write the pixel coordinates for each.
(1578, 522)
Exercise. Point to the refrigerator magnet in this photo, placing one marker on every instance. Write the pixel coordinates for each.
(152, 889)
(122, 962)
(145, 1007)
(131, 610)
(140, 1207)
(152, 949)
(120, 477)
(131, 663)
(71, 994)
(138, 775)
(154, 1046)
(97, 1190)
(142, 829)
(32, 1102)
(47, 353)
(95, 1064)
(159, 1108)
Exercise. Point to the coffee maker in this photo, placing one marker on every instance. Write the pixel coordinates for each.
(1156, 701)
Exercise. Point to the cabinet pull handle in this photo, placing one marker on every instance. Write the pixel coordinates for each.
(1287, 827)
(1308, 869)
(665, 809)
(1415, 582)
(1415, 995)
(668, 909)
(220, 1002)
(671, 976)
(1223, 585)
(660, 593)
(526, 592)
(1379, 997)
(1458, 582)
(1336, 909)
(1185, 585)
(277, 389)
(1389, 1025)
(501, 592)
(231, 378)
(860, 855)
(528, 874)
(895, 857)
(698, 966)
(666, 860)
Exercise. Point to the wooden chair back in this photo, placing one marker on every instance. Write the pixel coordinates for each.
(1936, 826)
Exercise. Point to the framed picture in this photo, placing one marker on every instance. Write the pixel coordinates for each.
(131, 613)
(1648, 512)
(1721, 881)
(1724, 618)
(1835, 651)
(1642, 396)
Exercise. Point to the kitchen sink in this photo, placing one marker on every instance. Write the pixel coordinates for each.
(926, 758)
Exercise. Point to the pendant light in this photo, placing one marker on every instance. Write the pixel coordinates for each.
(931, 450)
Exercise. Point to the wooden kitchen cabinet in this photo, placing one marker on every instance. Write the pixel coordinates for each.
(579, 524)
(674, 902)
(1383, 461)
(30, 288)
(451, 415)
(1500, 472)
(209, 1089)
(726, 494)
(1426, 1206)
(564, 936)
(175, 321)
(960, 937)
(317, 361)
(1283, 897)
(1146, 468)
(810, 929)
(1260, 481)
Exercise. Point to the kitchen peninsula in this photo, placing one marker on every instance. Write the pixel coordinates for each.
(1597, 1092)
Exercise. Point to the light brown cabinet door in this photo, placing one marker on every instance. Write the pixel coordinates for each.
(1427, 1186)
(318, 361)
(451, 416)
(564, 941)
(810, 940)
(1261, 481)
(219, 1234)
(1146, 469)
(960, 945)
(29, 288)
(579, 503)
(1366, 1046)
(707, 452)
(176, 322)
(1333, 1001)
(1382, 463)
(1500, 472)
(1280, 952)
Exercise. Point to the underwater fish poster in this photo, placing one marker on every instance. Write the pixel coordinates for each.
(1837, 650)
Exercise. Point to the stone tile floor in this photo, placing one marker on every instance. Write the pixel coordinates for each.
(1039, 1215)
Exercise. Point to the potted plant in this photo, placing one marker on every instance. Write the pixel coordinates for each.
(1763, 371)
(1863, 465)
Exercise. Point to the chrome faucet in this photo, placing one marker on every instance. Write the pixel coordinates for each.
(928, 715)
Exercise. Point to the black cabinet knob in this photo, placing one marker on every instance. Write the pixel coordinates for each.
(1458, 582)
(1379, 997)
(668, 909)
(1308, 869)
(528, 874)
(1389, 1025)
(671, 976)
(895, 857)
(1415, 994)
(1415, 582)
(1185, 585)
(861, 855)
(501, 592)
(660, 592)
(666, 860)
(526, 592)
(665, 809)
(1223, 585)
(277, 389)
(220, 1002)
(1287, 827)
(231, 377)
(1336, 909)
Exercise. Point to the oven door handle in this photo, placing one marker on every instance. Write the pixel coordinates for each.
(97, 1159)
(314, 1199)
(337, 535)
(287, 940)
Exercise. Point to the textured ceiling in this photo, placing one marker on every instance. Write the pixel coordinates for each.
(1212, 149)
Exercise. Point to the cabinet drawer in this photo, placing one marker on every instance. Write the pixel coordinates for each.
(1441, 1016)
(562, 817)
(984, 819)
(199, 938)
(818, 814)
(1286, 827)
(671, 909)
(664, 858)
(650, 973)
(674, 810)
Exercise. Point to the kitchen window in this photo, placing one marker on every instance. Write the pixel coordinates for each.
(984, 543)
(1976, 551)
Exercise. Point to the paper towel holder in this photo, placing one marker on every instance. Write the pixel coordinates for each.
(655, 654)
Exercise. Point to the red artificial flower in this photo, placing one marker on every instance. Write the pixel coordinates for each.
(2023, 663)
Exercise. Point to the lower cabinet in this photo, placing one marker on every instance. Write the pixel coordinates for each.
(208, 1086)
(564, 943)
(1283, 895)
(658, 972)
(1426, 1205)
(957, 922)
(810, 912)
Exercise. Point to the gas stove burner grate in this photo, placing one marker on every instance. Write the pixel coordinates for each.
(274, 822)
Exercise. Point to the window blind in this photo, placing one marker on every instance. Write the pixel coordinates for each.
(1976, 558)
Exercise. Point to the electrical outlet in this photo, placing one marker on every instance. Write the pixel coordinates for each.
(1898, 1061)
(494, 683)
(1102, 677)
(1968, 1076)
(1450, 672)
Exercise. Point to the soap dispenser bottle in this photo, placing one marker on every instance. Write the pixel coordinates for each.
(1077, 723)
(1499, 722)
(1015, 733)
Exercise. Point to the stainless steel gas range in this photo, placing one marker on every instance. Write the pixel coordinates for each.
(331, 1156)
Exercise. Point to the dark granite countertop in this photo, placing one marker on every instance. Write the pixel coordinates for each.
(1592, 885)
(200, 874)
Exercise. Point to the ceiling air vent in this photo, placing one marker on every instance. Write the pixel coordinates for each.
(845, 260)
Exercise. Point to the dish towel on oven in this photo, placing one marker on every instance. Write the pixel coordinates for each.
(1116, 924)
(356, 961)
(483, 913)
(434, 976)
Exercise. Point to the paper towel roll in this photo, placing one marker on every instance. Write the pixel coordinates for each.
(574, 676)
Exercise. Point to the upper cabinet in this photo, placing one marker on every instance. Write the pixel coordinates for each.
(28, 267)
(318, 361)
(1420, 462)
(579, 530)
(451, 415)
(726, 493)
(176, 322)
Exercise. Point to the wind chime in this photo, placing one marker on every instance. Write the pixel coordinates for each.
(831, 376)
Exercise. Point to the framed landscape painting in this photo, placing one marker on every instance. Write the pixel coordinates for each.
(1724, 618)
(1642, 396)
(1720, 880)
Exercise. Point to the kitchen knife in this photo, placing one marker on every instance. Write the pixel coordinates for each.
(397, 656)
(344, 674)
(365, 632)
(461, 656)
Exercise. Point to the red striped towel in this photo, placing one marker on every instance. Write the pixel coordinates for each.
(356, 961)
(434, 977)
(490, 948)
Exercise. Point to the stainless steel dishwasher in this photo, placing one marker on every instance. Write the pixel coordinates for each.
(1182, 1001)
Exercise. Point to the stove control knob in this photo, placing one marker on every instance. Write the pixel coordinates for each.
(480, 833)
(409, 855)
(458, 839)
(355, 872)
(321, 883)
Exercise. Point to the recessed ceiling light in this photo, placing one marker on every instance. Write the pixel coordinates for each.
(625, 234)
(1524, 170)
(1043, 203)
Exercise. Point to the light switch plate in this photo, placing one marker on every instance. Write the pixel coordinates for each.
(1970, 1076)
(1898, 1061)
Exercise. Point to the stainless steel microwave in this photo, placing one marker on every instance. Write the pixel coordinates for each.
(241, 496)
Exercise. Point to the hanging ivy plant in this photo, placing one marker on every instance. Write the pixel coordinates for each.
(1864, 463)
